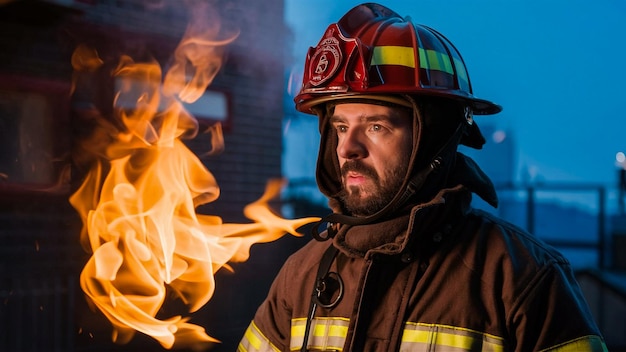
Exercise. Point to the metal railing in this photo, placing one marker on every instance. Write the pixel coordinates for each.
(532, 204)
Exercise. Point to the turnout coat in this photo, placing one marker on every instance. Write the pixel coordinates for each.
(442, 277)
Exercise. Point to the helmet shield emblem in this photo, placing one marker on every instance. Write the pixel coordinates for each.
(325, 61)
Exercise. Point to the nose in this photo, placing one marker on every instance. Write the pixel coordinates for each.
(351, 146)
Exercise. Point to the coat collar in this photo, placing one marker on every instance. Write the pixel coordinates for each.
(424, 223)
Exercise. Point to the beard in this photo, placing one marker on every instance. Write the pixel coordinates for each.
(366, 200)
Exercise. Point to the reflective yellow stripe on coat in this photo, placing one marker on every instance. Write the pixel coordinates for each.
(590, 343)
(329, 334)
(423, 337)
(326, 333)
(254, 341)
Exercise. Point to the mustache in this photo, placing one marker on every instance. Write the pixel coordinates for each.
(358, 166)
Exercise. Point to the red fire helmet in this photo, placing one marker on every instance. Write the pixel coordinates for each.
(374, 53)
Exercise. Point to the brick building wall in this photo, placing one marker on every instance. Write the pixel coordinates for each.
(42, 307)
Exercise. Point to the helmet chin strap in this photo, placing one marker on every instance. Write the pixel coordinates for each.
(415, 183)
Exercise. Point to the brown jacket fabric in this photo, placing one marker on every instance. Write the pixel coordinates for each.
(442, 275)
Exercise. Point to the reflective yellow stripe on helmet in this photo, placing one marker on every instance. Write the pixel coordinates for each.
(393, 55)
(590, 343)
(428, 59)
(325, 334)
(421, 337)
(254, 341)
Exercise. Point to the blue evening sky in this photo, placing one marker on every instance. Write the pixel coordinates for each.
(556, 66)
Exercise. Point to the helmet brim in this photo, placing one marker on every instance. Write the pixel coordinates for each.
(307, 106)
(479, 106)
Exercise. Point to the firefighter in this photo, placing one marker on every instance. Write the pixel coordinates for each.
(405, 264)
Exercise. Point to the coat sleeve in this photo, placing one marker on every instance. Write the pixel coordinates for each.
(270, 330)
(551, 314)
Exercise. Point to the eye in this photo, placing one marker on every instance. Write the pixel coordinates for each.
(376, 128)
(341, 128)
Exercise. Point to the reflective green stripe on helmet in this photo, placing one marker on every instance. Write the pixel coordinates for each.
(404, 56)
(428, 60)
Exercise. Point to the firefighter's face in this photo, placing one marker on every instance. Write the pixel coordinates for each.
(374, 143)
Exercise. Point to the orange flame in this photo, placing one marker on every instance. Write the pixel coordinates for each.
(138, 202)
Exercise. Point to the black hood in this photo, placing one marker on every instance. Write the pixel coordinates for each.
(439, 127)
